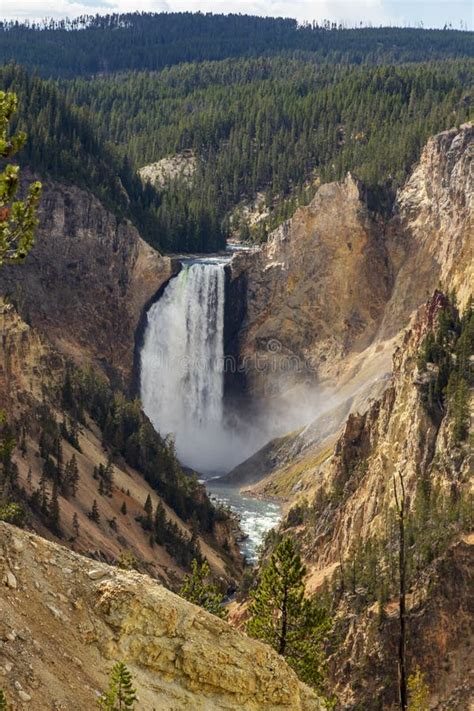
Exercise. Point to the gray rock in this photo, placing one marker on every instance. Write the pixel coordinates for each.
(18, 545)
(11, 580)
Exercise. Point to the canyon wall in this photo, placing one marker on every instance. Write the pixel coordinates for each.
(346, 499)
(315, 291)
(87, 280)
(336, 278)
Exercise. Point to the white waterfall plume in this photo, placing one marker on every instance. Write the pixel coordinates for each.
(182, 364)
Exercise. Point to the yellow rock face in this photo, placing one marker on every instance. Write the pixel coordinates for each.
(69, 619)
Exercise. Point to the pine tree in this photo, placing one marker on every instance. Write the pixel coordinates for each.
(94, 514)
(71, 477)
(108, 477)
(75, 525)
(123, 509)
(17, 218)
(148, 508)
(196, 590)
(159, 523)
(461, 411)
(43, 494)
(120, 696)
(281, 616)
(54, 510)
(418, 692)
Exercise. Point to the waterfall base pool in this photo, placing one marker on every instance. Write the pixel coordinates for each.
(256, 516)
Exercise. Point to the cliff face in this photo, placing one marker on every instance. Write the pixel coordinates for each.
(316, 290)
(335, 279)
(348, 499)
(66, 620)
(431, 234)
(87, 280)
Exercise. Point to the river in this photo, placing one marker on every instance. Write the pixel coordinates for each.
(256, 516)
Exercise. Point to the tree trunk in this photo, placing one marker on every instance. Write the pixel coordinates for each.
(402, 670)
(284, 623)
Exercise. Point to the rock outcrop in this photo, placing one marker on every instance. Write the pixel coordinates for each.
(314, 292)
(65, 620)
(430, 237)
(181, 166)
(87, 280)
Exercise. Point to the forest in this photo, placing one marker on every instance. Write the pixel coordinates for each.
(306, 105)
(136, 41)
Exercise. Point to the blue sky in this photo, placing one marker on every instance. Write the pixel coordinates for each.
(432, 13)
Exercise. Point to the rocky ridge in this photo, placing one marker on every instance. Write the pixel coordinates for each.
(350, 501)
(65, 620)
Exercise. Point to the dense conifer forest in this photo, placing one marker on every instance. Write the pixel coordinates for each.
(285, 108)
(135, 41)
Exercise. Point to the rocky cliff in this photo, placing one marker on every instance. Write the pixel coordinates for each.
(314, 292)
(430, 237)
(87, 280)
(344, 518)
(65, 620)
(338, 278)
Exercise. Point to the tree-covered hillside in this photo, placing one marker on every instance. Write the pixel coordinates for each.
(136, 41)
(285, 108)
(272, 125)
(64, 144)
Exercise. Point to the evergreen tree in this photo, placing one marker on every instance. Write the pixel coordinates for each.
(196, 590)
(17, 218)
(461, 410)
(94, 514)
(123, 508)
(148, 508)
(71, 476)
(54, 509)
(120, 696)
(159, 523)
(281, 616)
(43, 494)
(418, 692)
(75, 525)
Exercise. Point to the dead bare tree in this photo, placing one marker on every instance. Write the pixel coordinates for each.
(400, 502)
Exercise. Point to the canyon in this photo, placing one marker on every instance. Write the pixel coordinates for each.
(325, 323)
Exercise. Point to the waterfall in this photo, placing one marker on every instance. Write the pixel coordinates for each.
(182, 363)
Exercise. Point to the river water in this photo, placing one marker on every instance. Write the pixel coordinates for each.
(256, 517)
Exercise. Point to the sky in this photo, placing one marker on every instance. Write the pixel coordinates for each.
(431, 13)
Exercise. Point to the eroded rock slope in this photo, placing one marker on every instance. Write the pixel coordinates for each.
(65, 620)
